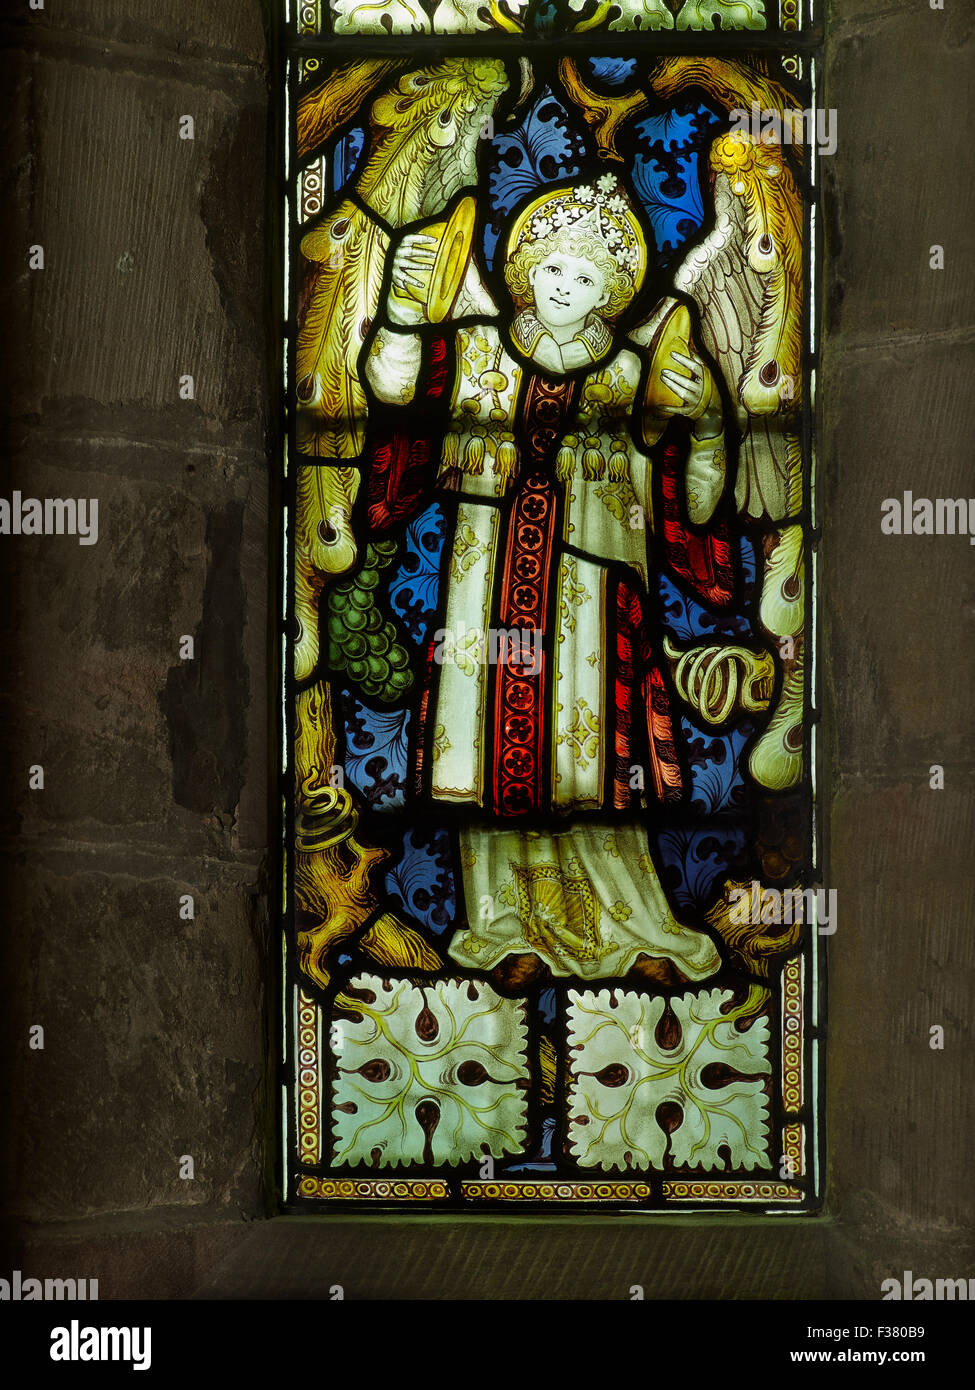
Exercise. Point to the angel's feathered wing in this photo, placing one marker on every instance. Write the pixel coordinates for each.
(746, 278)
(422, 140)
(421, 149)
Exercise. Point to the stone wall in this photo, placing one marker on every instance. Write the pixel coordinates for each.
(156, 770)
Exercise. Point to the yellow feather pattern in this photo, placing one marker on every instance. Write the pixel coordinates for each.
(347, 251)
(747, 277)
(422, 144)
(324, 548)
(758, 174)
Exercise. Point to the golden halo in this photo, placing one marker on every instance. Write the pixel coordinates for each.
(600, 208)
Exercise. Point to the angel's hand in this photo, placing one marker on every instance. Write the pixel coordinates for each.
(412, 265)
(414, 260)
(687, 385)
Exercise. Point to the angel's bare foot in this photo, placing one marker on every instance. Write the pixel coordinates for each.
(514, 974)
(656, 970)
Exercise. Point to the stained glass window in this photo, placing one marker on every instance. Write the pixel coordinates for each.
(552, 932)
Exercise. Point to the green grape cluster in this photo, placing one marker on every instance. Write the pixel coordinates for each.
(361, 642)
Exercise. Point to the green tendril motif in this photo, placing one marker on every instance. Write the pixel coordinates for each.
(453, 1046)
(617, 1059)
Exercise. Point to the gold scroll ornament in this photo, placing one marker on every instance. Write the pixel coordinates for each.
(332, 870)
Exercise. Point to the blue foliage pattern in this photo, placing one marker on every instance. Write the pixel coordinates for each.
(687, 620)
(693, 860)
(376, 747)
(614, 72)
(542, 149)
(546, 1004)
(414, 588)
(666, 173)
(542, 1162)
(546, 146)
(717, 779)
(749, 567)
(423, 879)
(346, 156)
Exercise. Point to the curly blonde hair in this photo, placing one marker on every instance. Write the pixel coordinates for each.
(620, 288)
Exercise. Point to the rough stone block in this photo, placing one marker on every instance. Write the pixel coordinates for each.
(153, 1033)
(135, 742)
(898, 656)
(154, 253)
(900, 1117)
(899, 79)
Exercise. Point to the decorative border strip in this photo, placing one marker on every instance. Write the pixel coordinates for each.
(312, 191)
(315, 20)
(793, 1149)
(792, 1035)
(308, 1033)
(557, 1191)
(309, 17)
(732, 1192)
(790, 15)
(398, 1189)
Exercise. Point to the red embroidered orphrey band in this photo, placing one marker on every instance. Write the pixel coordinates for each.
(521, 690)
(519, 724)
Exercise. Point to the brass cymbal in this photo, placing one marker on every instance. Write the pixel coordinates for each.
(452, 259)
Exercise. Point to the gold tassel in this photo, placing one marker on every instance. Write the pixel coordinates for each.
(474, 455)
(451, 450)
(505, 461)
(619, 468)
(593, 465)
(565, 464)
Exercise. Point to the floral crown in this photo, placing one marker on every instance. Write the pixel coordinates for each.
(600, 210)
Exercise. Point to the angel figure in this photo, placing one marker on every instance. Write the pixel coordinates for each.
(545, 719)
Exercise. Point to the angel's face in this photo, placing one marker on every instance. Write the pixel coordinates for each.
(567, 289)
